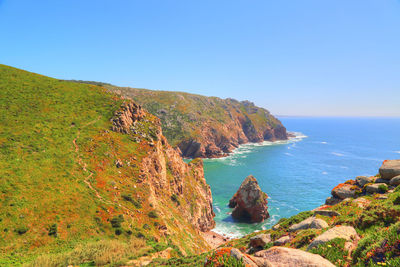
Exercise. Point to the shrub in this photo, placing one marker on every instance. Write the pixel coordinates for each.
(383, 188)
(53, 230)
(135, 202)
(118, 231)
(116, 221)
(20, 230)
(175, 199)
(153, 214)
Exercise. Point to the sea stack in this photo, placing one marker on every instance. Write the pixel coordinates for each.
(249, 202)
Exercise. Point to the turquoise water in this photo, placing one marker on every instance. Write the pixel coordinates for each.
(299, 174)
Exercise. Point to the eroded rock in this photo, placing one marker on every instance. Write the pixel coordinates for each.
(259, 241)
(285, 257)
(249, 202)
(389, 169)
(309, 223)
(363, 180)
(346, 232)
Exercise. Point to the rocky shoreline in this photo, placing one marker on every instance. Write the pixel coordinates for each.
(363, 211)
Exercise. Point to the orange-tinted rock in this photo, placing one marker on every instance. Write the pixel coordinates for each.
(249, 202)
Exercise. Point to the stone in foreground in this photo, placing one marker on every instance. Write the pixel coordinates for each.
(390, 169)
(309, 223)
(346, 232)
(259, 241)
(283, 257)
(249, 202)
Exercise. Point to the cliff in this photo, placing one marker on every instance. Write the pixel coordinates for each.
(206, 127)
(89, 178)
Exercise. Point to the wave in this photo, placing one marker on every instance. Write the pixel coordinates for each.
(244, 149)
(398, 152)
(337, 154)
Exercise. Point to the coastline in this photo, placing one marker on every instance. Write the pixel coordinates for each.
(247, 147)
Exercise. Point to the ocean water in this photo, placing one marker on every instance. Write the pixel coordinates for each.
(299, 174)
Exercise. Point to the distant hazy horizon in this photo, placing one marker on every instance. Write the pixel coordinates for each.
(296, 58)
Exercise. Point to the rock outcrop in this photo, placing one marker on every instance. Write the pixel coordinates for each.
(163, 169)
(346, 232)
(259, 241)
(285, 257)
(249, 202)
(309, 223)
(389, 169)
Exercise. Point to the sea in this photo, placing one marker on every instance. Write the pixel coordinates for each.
(299, 174)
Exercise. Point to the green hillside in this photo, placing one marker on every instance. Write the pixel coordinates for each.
(60, 186)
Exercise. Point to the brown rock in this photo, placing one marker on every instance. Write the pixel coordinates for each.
(343, 191)
(259, 241)
(389, 169)
(345, 232)
(395, 180)
(332, 201)
(329, 213)
(249, 202)
(287, 257)
(309, 223)
(363, 180)
(282, 241)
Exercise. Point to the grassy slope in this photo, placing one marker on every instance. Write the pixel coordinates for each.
(43, 183)
(183, 114)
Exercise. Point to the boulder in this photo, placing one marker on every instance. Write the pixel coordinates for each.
(249, 202)
(374, 188)
(329, 213)
(245, 258)
(389, 169)
(332, 201)
(395, 180)
(285, 257)
(380, 181)
(309, 223)
(363, 180)
(282, 241)
(343, 191)
(346, 232)
(259, 241)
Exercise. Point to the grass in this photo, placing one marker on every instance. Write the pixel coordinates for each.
(101, 253)
(55, 140)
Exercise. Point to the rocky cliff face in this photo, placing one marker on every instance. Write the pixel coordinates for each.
(164, 171)
(207, 127)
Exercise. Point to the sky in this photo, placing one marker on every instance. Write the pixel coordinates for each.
(293, 57)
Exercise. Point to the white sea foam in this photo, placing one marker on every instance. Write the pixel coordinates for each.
(288, 154)
(337, 154)
(244, 149)
(398, 152)
(324, 142)
(324, 173)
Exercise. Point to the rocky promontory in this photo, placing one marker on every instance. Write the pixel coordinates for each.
(206, 127)
(249, 203)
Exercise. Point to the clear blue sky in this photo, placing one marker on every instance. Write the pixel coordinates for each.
(294, 57)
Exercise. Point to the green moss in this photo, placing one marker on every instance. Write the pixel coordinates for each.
(333, 251)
